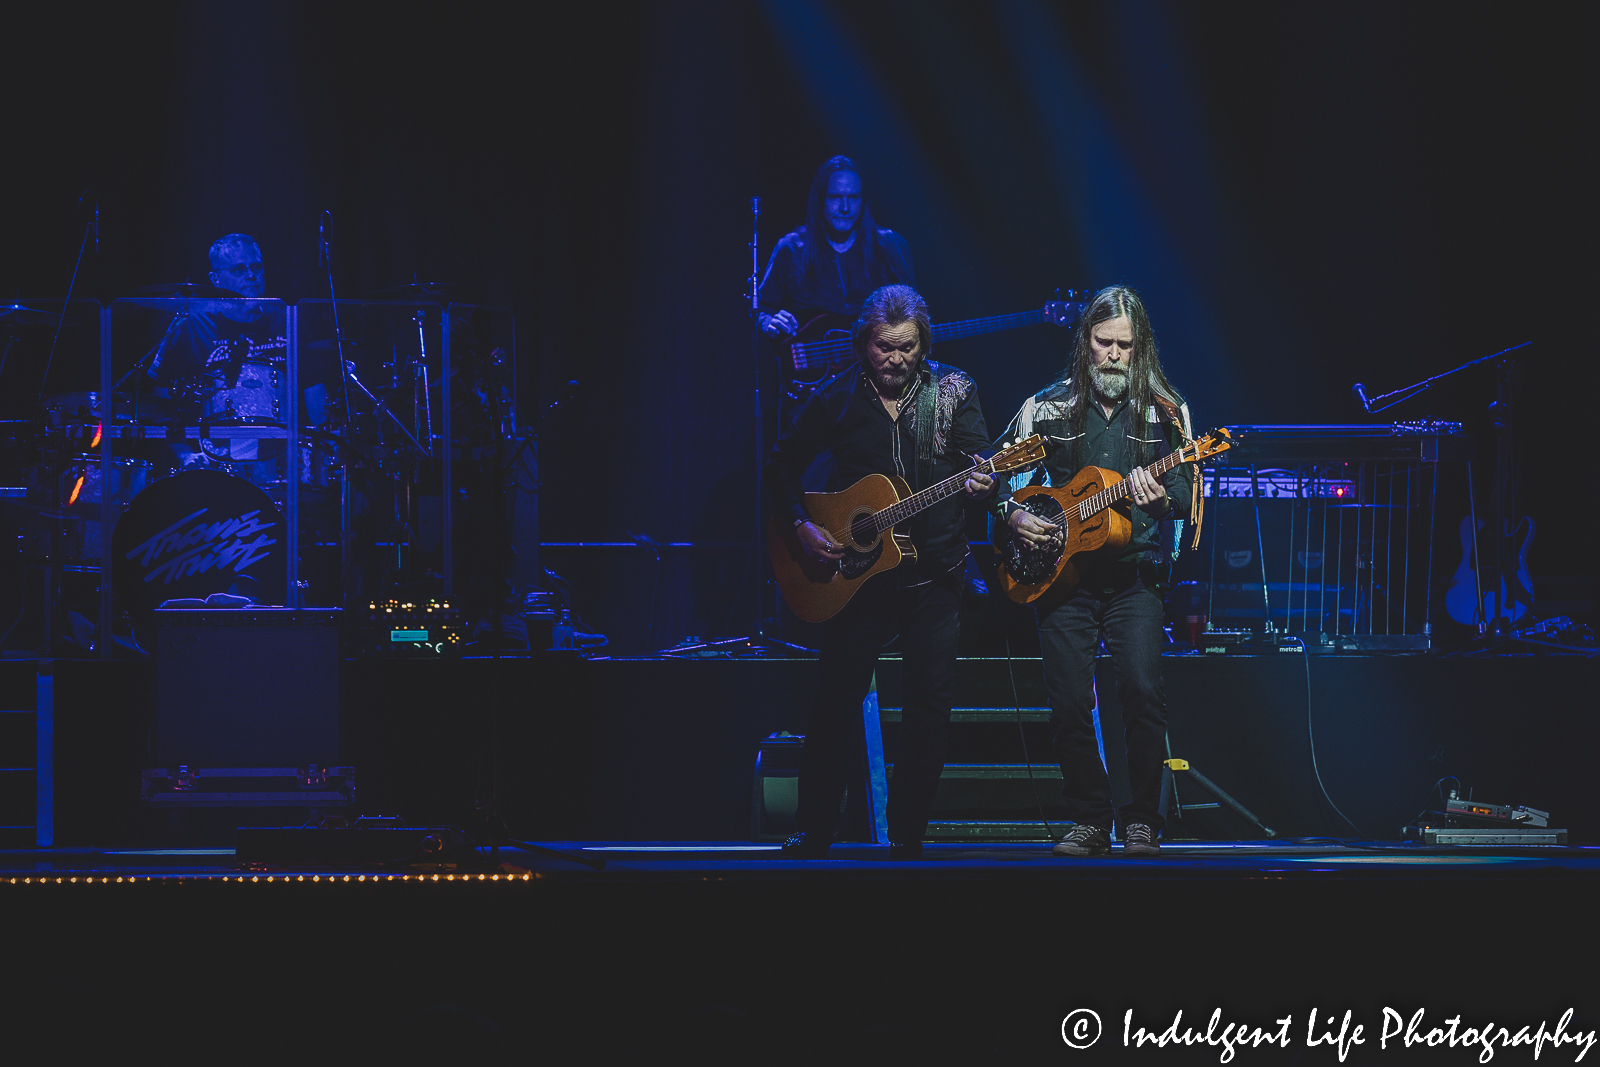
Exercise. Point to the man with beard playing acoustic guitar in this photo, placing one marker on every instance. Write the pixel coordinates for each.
(894, 413)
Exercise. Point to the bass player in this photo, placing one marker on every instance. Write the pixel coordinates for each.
(826, 267)
(1114, 408)
(895, 413)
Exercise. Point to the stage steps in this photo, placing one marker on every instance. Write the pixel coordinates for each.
(987, 792)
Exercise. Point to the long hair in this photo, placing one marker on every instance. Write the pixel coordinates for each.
(1146, 377)
(890, 306)
(817, 224)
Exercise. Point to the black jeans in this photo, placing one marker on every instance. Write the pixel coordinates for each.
(927, 617)
(1069, 634)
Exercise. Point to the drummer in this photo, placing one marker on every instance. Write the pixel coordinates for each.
(202, 353)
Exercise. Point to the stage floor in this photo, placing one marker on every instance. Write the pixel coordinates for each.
(732, 860)
(723, 952)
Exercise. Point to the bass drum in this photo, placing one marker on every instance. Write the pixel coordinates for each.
(198, 533)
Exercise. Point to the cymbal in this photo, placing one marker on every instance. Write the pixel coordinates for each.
(433, 292)
(330, 345)
(180, 289)
(17, 315)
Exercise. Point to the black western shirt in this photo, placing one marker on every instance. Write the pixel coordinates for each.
(844, 417)
(1114, 442)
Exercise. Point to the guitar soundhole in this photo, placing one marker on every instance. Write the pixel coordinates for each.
(1030, 565)
(854, 564)
(862, 531)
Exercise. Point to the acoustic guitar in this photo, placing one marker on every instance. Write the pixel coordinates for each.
(821, 346)
(1093, 513)
(862, 518)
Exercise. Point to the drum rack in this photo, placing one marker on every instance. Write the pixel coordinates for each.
(98, 430)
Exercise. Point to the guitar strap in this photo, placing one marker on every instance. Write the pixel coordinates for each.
(925, 414)
(1197, 497)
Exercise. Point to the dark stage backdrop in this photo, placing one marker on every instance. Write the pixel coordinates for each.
(1307, 195)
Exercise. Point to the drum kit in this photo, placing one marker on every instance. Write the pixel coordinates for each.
(197, 485)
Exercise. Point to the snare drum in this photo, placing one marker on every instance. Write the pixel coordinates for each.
(82, 493)
(254, 398)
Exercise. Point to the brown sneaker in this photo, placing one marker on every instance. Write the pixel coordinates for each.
(1139, 840)
(1081, 839)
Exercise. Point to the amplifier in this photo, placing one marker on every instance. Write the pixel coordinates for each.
(1278, 484)
(247, 687)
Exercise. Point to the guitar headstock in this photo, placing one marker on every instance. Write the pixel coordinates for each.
(1213, 443)
(1065, 310)
(1018, 455)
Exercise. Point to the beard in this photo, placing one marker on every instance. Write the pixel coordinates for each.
(1110, 383)
(892, 381)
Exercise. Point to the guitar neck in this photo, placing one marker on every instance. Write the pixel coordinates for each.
(818, 353)
(919, 502)
(1091, 507)
(946, 331)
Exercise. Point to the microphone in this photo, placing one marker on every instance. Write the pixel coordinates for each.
(755, 206)
(1360, 392)
(322, 239)
(97, 224)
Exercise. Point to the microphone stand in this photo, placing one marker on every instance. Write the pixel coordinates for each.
(760, 640)
(1376, 404)
(325, 254)
(92, 226)
(382, 407)
(763, 620)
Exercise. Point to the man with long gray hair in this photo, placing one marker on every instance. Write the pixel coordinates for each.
(1114, 408)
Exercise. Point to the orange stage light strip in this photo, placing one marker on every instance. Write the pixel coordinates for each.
(77, 487)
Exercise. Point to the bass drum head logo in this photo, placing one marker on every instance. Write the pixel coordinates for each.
(194, 534)
(1240, 558)
(1309, 560)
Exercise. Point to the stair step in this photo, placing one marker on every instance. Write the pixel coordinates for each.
(978, 714)
(988, 830)
(995, 770)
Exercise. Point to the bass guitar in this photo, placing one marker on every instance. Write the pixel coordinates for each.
(862, 518)
(1093, 513)
(1513, 602)
(821, 346)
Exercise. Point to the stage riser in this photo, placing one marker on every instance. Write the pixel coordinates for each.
(652, 749)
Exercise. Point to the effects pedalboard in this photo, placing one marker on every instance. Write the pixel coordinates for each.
(1244, 642)
(406, 629)
(1465, 821)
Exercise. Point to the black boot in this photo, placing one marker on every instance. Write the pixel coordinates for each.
(816, 818)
